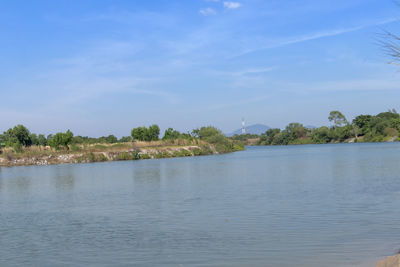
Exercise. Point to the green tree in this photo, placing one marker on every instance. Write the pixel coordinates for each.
(111, 139)
(34, 139)
(269, 137)
(206, 132)
(61, 139)
(338, 118)
(19, 134)
(363, 123)
(321, 135)
(296, 131)
(171, 134)
(125, 139)
(42, 140)
(153, 133)
(139, 133)
(146, 134)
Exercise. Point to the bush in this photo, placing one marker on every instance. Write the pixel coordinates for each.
(177, 154)
(101, 157)
(18, 148)
(124, 156)
(135, 155)
(197, 151)
(146, 134)
(206, 150)
(145, 156)
(61, 139)
(162, 154)
(92, 157)
(75, 148)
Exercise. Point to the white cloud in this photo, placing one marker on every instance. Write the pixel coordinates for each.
(232, 5)
(207, 11)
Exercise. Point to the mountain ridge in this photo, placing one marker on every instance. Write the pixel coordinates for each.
(257, 128)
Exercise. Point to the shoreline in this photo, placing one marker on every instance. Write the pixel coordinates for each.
(49, 157)
(390, 261)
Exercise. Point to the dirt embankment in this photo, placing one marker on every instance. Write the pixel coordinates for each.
(392, 261)
(102, 153)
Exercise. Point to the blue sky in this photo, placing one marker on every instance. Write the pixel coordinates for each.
(99, 67)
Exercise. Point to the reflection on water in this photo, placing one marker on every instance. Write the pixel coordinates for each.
(330, 205)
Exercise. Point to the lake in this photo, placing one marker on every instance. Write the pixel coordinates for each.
(311, 205)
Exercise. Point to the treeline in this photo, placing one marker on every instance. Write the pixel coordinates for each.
(19, 137)
(364, 128)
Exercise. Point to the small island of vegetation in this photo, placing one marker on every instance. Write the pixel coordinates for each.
(18, 146)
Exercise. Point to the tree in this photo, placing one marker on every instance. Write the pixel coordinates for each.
(146, 134)
(391, 45)
(139, 133)
(269, 137)
(42, 140)
(296, 130)
(125, 139)
(61, 139)
(18, 135)
(153, 132)
(320, 135)
(206, 132)
(171, 134)
(34, 139)
(362, 122)
(111, 139)
(338, 118)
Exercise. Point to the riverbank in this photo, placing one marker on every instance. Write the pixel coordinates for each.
(391, 261)
(306, 141)
(36, 155)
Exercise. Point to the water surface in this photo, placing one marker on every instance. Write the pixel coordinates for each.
(314, 205)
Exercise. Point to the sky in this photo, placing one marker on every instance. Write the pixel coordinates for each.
(102, 67)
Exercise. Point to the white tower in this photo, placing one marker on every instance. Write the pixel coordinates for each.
(243, 127)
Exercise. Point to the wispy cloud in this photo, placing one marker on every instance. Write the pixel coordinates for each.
(208, 12)
(317, 35)
(232, 5)
(250, 71)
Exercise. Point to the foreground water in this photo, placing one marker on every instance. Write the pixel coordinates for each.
(317, 205)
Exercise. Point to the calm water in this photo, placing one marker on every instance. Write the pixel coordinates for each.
(326, 205)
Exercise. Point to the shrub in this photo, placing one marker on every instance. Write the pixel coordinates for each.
(178, 153)
(197, 151)
(125, 156)
(101, 157)
(92, 157)
(75, 148)
(206, 150)
(145, 156)
(162, 154)
(135, 155)
(18, 148)
(186, 153)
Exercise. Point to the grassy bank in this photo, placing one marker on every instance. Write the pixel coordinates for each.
(86, 153)
(18, 146)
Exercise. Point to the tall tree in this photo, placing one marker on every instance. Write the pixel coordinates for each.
(338, 118)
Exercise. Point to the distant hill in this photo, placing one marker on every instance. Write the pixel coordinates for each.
(252, 129)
